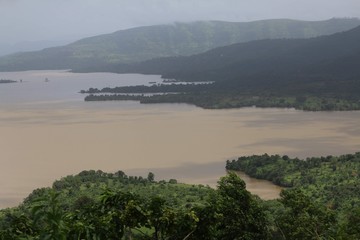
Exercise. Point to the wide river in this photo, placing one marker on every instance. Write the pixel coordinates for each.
(47, 132)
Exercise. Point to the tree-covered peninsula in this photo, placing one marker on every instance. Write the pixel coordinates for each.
(331, 180)
(321, 201)
(208, 98)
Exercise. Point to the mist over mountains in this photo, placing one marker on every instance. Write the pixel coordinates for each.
(26, 46)
(321, 73)
(333, 55)
(179, 39)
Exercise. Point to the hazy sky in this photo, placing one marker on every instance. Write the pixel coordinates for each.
(34, 20)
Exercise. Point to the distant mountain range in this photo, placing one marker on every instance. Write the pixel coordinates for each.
(105, 52)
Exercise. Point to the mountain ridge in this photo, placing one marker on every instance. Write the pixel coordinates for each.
(306, 52)
(179, 39)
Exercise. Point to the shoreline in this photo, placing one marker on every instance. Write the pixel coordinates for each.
(312, 104)
(266, 190)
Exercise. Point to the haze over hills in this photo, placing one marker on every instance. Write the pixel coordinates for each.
(25, 46)
(326, 58)
(326, 67)
(180, 39)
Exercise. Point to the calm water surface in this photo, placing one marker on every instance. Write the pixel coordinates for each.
(47, 131)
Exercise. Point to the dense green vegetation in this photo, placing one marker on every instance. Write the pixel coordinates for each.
(102, 53)
(332, 181)
(92, 183)
(98, 205)
(321, 201)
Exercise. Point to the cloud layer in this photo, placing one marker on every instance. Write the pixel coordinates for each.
(25, 20)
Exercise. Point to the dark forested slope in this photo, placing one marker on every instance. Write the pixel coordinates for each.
(326, 65)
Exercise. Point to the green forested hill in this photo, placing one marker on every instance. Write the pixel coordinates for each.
(265, 61)
(179, 39)
(332, 180)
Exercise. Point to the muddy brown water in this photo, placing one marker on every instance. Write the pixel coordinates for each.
(48, 139)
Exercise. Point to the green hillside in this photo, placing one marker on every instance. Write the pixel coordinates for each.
(238, 63)
(179, 39)
(332, 180)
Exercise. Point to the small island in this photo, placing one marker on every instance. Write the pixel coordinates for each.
(7, 81)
